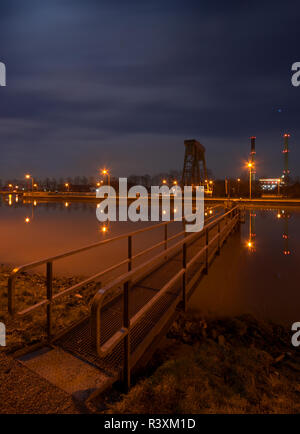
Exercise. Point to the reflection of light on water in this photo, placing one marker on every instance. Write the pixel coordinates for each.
(251, 240)
(66, 204)
(27, 220)
(35, 203)
(104, 229)
(9, 200)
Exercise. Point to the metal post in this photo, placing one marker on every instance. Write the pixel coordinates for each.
(49, 298)
(250, 183)
(11, 295)
(219, 240)
(184, 277)
(166, 236)
(126, 324)
(206, 251)
(130, 253)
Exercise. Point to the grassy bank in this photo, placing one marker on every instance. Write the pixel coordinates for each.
(30, 289)
(229, 365)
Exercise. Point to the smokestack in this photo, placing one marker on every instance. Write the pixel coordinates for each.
(252, 154)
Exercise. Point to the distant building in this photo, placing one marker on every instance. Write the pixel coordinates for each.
(270, 185)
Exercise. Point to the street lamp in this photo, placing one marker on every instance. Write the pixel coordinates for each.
(278, 184)
(67, 185)
(250, 166)
(106, 172)
(30, 177)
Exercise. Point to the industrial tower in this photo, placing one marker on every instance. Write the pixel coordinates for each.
(286, 172)
(193, 173)
(252, 157)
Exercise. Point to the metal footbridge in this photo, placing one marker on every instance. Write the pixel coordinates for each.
(131, 312)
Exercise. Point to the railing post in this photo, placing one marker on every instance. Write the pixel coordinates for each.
(206, 251)
(11, 295)
(129, 253)
(219, 238)
(184, 277)
(166, 236)
(126, 324)
(49, 298)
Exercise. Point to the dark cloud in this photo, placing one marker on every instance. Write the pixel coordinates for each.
(123, 83)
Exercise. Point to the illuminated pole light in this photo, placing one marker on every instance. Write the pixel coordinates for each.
(67, 185)
(106, 172)
(250, 165)
(30, 177)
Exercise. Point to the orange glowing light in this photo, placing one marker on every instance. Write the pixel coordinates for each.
(66, 204)
(27, 220)
(104, 229)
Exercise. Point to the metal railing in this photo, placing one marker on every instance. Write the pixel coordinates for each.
(48, 262)
(126, 281)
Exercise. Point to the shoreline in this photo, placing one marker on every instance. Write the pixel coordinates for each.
(204, 365)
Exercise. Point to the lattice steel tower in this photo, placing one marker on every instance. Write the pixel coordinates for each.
(194, 168)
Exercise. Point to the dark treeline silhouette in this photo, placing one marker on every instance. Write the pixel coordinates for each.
(236, 187)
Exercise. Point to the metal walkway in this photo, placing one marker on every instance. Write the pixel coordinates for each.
(129, 315)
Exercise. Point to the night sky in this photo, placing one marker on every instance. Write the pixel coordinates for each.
(93, 83)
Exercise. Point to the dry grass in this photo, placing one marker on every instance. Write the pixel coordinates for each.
(30, 289)
(220, 366)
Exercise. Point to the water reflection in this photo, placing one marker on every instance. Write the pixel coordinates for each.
(258, 270)
(252, 234)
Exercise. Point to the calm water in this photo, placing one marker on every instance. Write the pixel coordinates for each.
(35, 230)
(258, 271)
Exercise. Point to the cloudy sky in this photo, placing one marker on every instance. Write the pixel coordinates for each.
(122, 83)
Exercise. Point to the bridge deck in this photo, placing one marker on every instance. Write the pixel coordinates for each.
(186, 259)
(79, 342)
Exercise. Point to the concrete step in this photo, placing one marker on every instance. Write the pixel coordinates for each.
(67, 372)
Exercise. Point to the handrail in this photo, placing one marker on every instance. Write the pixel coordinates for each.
(127, 279)
(49, 268)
